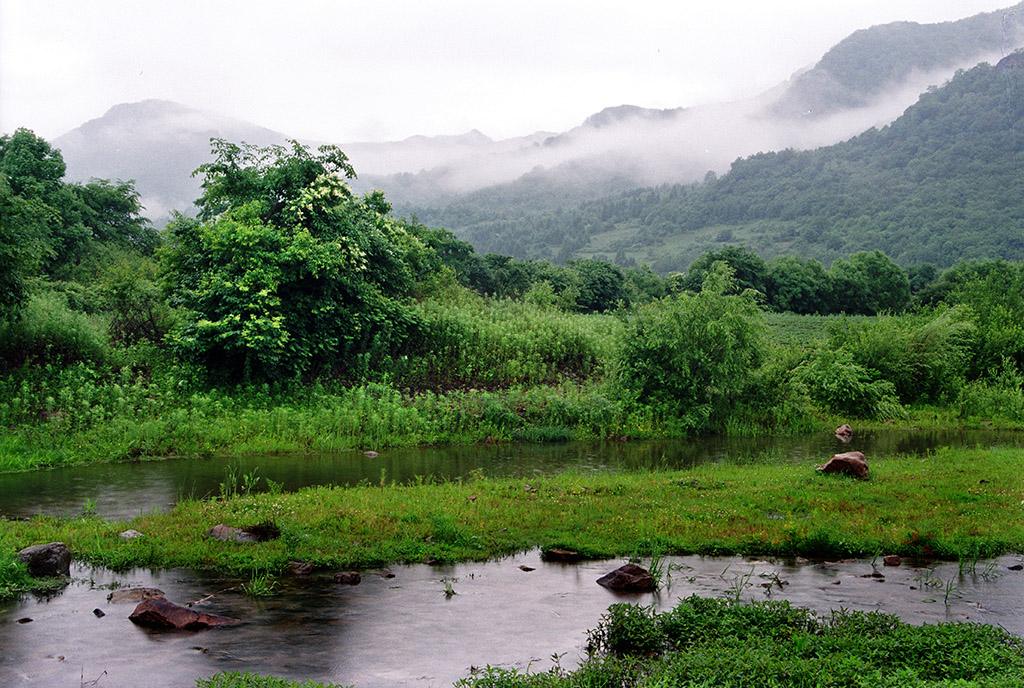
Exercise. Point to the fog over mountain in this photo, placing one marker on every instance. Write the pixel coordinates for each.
(866, 80)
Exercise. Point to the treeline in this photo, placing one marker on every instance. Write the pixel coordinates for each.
(293, 313)
(941, 183)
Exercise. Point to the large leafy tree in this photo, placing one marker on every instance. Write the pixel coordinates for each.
(287, 272)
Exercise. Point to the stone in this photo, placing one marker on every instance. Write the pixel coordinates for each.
(257, 533)
(371, 454)
(47, 561)
(348, 577)
(1016, 567)
(851, 463)
(844, 433)
(161, 613)
(892, 560)
(98, 613)
(386, 573)
(559, 554)
(130, 534)
(25, 620)
(629, 578)
(299, 568)
(135, 595)
(524, 567)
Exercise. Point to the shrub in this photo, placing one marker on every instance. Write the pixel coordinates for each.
(692, 355)
(842, 386)
(47, 330)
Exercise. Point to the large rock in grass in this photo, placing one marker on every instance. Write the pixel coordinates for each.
(47, 561)
(258, 533)
(851, 463)
(628, 578)
(162, 614)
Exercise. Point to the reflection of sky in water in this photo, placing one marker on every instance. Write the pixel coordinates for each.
(126, 490)
(402, 631)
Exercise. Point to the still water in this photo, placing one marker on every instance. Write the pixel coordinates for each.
(121, 491)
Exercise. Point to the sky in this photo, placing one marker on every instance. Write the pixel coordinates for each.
(383, 70)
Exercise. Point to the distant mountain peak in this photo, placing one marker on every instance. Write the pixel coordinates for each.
(615, 114)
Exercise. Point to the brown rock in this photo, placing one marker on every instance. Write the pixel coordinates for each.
(565, 556)
(524, 567)
(844, 433)
(371, 454)
(160, 613)
(47, 561)
(851, 463)
(348, 578)
(299, 568)
(257, 533)
(134, 595)
(628, 578)
(892, 560)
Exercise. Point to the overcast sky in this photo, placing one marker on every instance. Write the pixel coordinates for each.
(378, 69)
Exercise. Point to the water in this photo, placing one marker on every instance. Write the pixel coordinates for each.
(404, 631)
(123, 491)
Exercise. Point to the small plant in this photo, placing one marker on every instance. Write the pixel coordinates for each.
(260, 585)
(89, 508)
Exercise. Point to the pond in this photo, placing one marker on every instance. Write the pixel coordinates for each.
(404, 631)
(121, 491)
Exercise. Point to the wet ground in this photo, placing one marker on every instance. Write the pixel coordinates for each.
(123, 491)
(404, 631)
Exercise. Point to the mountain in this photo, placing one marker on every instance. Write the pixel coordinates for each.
(470, 181)
(943, 182)
(157, 143)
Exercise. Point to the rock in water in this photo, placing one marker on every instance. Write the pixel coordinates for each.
(136, 595)
(628, 578)
(851, 463)
(565, 556)
(348, 578)
(892, 560)
(299, 568)
(844, 433)
(160, 613)
(47, 561)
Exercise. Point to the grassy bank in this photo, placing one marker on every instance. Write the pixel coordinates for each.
(707, 642)
(952, 504)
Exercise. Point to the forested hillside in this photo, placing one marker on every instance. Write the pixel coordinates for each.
(941, 183)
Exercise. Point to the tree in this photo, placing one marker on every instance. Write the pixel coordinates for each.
(287, 272)
(797, 286)
(601, 285)
(749, 269)
(869, 283)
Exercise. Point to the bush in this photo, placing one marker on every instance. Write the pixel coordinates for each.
(926, 359)
(235, 679)
(48, 331)
(842, 386)
(692, 355)
(1001, 397)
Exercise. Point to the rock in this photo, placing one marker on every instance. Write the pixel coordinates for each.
(844, 433)
(851, 463)
(371, 454)
(299, 568)
(47, 561)
(565, 556)
(628, 578)
(386, 573)
(524, 567)
(161, 613)
(349, 577)
(257, 533)
(98, 613)
(1016, 567)
(25, 620)
(892, 560)
(130, 534)
(134, 595)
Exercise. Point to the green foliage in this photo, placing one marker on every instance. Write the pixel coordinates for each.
(235, 679)
(869, 283)
(14, 578)
(842, 386)
(708, 642)
(926, 358)
(692, 354)
(47, 331)
(796, 285)
(749, 269)
(290, 274)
